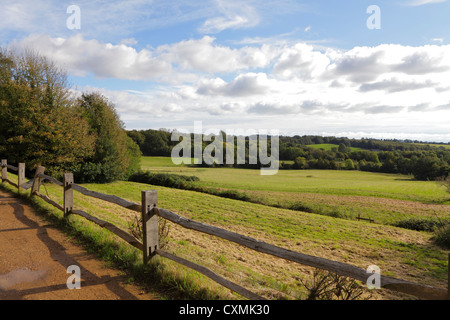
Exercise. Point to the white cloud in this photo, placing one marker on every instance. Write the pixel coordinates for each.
(243, 85)
(105, 60)
(440, 40)
(301, 60)
(203, 55)
(295, 85)
(81, 56)
(396, 85)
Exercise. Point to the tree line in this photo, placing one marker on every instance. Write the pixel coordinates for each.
(424, 161)
(44, 123)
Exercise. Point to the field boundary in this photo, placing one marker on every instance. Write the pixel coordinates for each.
(150, 214)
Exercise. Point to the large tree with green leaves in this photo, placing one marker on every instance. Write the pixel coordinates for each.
(116, 155)
(40, 124)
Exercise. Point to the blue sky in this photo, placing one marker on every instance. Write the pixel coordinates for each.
(301, 67)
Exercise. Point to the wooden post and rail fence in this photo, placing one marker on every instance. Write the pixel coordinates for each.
(150, 214)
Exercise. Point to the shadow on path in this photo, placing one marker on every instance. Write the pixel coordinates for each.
(57, 254)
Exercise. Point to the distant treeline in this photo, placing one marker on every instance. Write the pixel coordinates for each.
(424, 161)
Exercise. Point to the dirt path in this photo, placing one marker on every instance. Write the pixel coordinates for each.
(34, 259)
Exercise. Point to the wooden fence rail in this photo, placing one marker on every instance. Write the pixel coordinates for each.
(150, 214)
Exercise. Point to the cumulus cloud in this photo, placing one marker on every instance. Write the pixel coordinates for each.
(81, 57)
(300, 60)
(204, 55)
(396, 85)
(201, 77)
(243, 85)
(270, 108)
(361, 64)
(424, 60)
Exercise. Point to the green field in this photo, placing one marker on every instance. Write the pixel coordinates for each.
(332, 182)
(401, 253)
(435, 145)
(329, 146)
(386, 198)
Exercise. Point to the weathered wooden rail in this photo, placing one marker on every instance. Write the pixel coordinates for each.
(150, 214)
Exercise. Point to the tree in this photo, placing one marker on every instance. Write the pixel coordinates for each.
(156, 143)
(349, 165)
(300, 163)
(43, 126)
(116, 155)
(428, 167)
(342, 148)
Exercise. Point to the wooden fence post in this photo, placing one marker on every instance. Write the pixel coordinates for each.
(150, 229)
(37, 180)
(21, 176)
(4, 169)
(68, 193)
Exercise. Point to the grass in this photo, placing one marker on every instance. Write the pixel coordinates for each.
(402, 253)
(329, 146)
(434, 145)
(163, 162)
(333, 182)
(386, 198)
(359, 243)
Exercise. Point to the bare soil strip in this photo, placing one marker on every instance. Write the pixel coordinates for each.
(34, 258)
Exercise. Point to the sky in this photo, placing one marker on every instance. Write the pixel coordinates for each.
(350, 68)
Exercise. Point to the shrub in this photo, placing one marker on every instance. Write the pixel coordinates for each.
(418, 224)
(163, 179)
(298, 206)
(230, 194)
(442, 237)
(327, 285)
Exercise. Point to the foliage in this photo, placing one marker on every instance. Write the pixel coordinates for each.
(152, 142)
(44, 126)
(444, 181)
(162, 179)
(116, 156)
(331, 286)
(135, 228)
(423, 161)
(442, 236)
(418, 224)
(49, 126)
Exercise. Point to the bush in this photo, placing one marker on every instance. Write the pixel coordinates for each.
(230, 194)
(298, 206)
(417, 224)
(87, 172)
(327, 285)
(163, 179)
(442, 237)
